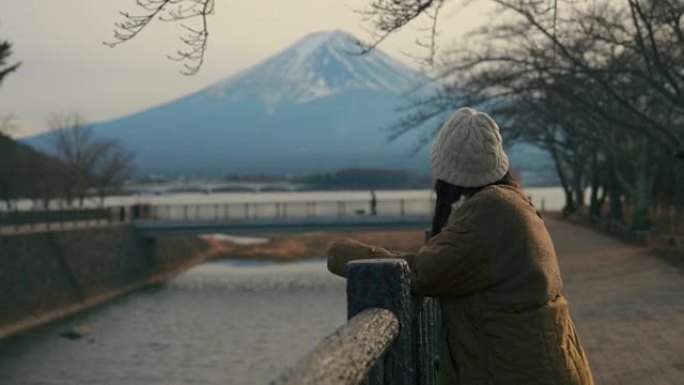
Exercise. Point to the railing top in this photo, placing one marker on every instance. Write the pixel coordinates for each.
(281, 202)
(345, 357)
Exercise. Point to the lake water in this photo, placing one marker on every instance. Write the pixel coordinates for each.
(551, 198)
(218, 323)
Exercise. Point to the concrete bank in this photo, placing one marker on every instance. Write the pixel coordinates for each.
(45, 276)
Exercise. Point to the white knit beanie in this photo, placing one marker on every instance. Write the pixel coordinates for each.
(468, 151)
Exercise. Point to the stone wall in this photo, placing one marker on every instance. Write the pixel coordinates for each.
(49, 275)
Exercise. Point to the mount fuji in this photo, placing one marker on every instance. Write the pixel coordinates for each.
(315, 107)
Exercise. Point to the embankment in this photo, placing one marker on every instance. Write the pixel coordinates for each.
(48, 275)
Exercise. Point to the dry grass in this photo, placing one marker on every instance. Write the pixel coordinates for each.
(311, 245)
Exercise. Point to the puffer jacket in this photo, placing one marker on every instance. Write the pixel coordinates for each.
(494, 271)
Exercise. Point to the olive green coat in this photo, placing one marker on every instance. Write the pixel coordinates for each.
(494, 270)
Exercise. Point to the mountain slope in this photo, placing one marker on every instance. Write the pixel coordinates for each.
(315, 107)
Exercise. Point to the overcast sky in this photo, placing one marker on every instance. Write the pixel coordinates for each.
(67, 68)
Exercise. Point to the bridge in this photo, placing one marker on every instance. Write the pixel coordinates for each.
(282, 217)
(236, 217)
(209, 187)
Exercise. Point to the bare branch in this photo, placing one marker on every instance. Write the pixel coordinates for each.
(389, 16)
(5, 52)
(195, 39)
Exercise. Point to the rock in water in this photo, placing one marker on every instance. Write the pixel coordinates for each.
(76, 332)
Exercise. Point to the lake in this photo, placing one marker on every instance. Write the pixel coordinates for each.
(218, 323)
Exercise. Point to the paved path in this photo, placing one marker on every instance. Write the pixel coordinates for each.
(628, 307)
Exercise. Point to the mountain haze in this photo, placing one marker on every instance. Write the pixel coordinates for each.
(317, 106)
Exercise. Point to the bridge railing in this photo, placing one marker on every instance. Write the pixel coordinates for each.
(39, 218)
(286, 210)
(390, 338)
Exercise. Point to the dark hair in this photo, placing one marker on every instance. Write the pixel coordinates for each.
(448, 193)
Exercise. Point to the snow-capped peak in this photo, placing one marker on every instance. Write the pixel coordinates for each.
(319, 65)
(338, 39)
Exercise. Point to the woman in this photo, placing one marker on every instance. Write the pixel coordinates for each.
(491, 264)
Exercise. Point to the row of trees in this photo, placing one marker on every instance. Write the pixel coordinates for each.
(91, 166)
(78, 166)
(598, 83)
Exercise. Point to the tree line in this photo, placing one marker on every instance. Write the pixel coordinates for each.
(77, 167)
(599, 84)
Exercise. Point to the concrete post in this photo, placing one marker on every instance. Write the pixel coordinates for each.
(428, 334)
(385, 283)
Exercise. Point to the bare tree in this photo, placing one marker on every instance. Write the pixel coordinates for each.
(73, 145)
(111, 168)
(90, 163)
(647, 33)
(597, 84)
(182, 11)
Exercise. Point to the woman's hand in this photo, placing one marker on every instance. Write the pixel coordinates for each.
(339, 253)
(342, 251)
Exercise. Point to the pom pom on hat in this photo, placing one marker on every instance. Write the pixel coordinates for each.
(468, 151)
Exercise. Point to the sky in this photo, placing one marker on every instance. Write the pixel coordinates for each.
(66, 67)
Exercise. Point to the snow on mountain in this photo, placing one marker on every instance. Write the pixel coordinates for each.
(315, 107)
(320, 65)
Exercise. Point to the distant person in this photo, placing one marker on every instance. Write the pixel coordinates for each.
(373, 203)
(492, 266)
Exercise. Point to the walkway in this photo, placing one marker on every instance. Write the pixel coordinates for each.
(628, 307)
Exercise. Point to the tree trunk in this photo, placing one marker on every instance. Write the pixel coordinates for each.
(641, 208)
(102, 193)
(68, 197)
(602, 198)
(5, 193)
(595, 205)
(577, 184)
(614, 192)
(569, 207)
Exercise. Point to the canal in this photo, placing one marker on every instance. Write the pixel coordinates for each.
(218, 323)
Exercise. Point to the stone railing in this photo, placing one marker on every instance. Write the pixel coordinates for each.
(390, 337)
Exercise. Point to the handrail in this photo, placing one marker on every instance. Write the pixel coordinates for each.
(348, 354)
(294, 201)
(285, 209)
(345, 359)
